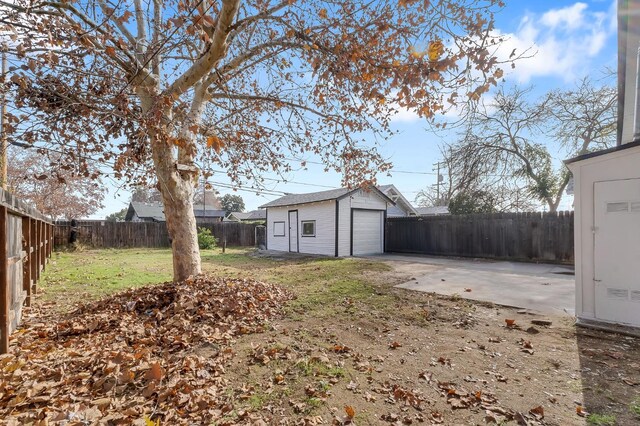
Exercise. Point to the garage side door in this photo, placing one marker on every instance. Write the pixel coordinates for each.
(617, 250)
(367, 232)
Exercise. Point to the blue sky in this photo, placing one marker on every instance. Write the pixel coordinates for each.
(570, 40)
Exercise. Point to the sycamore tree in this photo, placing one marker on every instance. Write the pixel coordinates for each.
(160, 90)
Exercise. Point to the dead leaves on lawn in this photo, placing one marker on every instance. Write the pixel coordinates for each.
(142, 356)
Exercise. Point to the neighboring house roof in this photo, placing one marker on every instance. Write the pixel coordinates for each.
(314, 197)
(155, 211)
(201, 210)
(432, 211)
(252, 215)
(392, 192)
(237, 216)
(257, 215)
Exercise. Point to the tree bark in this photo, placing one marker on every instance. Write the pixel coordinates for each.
(177, 187)
(177, 193)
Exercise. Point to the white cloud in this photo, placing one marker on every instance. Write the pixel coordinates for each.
(571, 17)
(404, 115)
(561, 43)
(564, 42)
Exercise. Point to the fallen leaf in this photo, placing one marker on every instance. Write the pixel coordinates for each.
(538, 411)
(351, 413)
(154, 373)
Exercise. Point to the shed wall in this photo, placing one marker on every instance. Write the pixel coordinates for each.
(277, 214)
(617, 165)
(323, 213)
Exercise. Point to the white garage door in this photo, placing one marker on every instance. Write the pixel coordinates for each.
(367, 232)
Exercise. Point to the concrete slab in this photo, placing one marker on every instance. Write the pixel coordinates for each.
(539, 287)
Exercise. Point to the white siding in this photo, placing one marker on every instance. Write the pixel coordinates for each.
(323, 213)
(633, 39)
(277, 214)
(344, 227)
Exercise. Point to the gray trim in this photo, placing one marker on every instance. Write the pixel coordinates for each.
(297, 230)
(302, 222)
(266, 230)
(336, 225)
(284, 228)
(603, 152)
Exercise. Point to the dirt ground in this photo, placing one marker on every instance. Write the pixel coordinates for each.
(349, 348)
(434, 360)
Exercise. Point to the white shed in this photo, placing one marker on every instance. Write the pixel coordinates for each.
(607, 202)
(607, 235)
(339, 222)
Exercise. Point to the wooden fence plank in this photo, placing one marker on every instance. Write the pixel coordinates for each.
(102, 234)
(26, 267)
(517, 236)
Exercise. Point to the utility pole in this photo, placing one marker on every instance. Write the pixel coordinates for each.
(438, 179)
(3, 125)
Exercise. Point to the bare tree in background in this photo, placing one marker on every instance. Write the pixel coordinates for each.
(465, 174)
(502, 139)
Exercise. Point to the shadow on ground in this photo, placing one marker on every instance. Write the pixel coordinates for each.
(610, 370)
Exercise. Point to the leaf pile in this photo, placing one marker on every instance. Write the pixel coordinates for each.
(155, 353)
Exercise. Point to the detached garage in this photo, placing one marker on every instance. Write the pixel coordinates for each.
(339, 222)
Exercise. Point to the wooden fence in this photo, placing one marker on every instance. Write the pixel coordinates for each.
(25, 246)
(103, 234)
(544, 237)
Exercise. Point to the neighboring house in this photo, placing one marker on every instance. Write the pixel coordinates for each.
(432, 211)
(252, 216)
(338, 222)
(607, 202)
(144, 212)
(152, 212)
(402, 207)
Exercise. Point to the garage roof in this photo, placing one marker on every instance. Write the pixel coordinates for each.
(314, 197)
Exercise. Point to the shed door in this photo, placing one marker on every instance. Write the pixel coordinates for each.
(617, 250)
(368, 228)
(293, 231)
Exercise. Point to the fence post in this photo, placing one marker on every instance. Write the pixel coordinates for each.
(4, 283)
(26, 266)
(43, 248)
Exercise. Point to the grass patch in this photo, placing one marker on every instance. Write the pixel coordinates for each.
(635, 406)
(601, 419)
(323, 286)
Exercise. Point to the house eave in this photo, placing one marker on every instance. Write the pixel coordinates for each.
(603, 152)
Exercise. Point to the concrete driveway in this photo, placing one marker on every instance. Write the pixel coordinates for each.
(538, 287)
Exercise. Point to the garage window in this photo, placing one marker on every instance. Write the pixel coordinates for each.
(308, 228)
(278, 229)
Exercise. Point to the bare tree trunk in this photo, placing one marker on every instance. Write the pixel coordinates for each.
(176, 181)
(177, 193)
